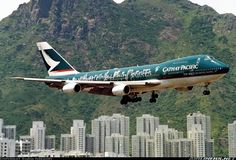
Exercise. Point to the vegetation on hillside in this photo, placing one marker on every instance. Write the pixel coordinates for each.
(94, 35)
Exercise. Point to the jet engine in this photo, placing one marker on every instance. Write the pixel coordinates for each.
(71, 88)
(121, 90)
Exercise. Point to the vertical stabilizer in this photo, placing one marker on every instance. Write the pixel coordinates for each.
(56, 65)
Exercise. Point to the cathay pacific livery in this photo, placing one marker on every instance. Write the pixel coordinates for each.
(181, 74)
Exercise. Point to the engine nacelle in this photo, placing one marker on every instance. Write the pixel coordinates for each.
(71, 88)
(121, 90)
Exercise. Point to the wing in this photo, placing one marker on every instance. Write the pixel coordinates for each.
(96, 87)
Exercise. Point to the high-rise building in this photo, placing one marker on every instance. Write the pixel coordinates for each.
(232, 139)
(173, 147)
(139, 143)
(1, 127)
(50, 142)
(118, 144)
(9, 131)
(23, 147)
(89, 144)
(205, 123)
(150, 149)
(209, 148)
(162, 135)
(106, 125)
(196, 134)
(27, 138)
(67, 142)
(78, 132)
(7, 147)
(185, 146)
(203, 120)
(120, 124)
(147, 124)
(37, 132)
(100, 129)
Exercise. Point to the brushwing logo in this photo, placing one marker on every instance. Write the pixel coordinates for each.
(50, 61)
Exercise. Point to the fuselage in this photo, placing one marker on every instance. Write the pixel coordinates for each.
(177, 73)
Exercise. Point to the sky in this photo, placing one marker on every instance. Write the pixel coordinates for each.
(221, 6)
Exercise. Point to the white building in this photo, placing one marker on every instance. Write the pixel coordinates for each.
(23, 147)
(118, 144)
(37, 132)
(203, 120)
(147, 124)
(78, 132)
(205, 123)
(139, 144)
(9, 131)
(44, 153)
(196, 134)
(232, 139)
(106, 125)
(7, 147)
(67, 142)
(50, 142)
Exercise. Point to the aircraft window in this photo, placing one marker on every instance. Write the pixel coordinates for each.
(212, 58)
(209, 58)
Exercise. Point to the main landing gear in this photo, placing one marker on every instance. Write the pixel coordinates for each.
(206, 91)
(153, 98)
(134, 98)
(125, 99)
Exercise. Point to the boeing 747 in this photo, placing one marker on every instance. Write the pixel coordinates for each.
(181, 74)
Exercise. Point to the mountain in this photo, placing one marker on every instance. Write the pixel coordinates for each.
(94, 35)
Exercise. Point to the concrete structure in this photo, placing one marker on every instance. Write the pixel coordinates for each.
(150, 148)
(186, 147)
(232, 139)
(50, 142)
(147, 124)
(7, 147)
(118, 144)
(9, 131)
(37, 132)
(23, 147)
(196, 134)
(205, 123)
(139, 143)
(203, 120)
(78, 132)
(106, 125)
(44, 153)
(67, 142)
(89, 144)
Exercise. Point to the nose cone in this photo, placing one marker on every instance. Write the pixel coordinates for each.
(224, 67)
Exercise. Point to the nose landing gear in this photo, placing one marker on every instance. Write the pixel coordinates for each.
(206, 91)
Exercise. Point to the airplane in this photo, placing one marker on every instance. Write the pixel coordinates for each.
(180, 74)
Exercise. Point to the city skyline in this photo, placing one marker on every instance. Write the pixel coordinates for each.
(110, 137)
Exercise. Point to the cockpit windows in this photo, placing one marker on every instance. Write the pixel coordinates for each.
(211, 58)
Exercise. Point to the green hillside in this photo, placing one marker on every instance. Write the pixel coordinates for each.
(94, 35)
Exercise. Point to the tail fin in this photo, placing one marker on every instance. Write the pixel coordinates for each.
(56, 65)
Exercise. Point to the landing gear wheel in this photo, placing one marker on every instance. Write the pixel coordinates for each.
(152, 100)
(206, 92)
(123, 101)
(139, 99)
